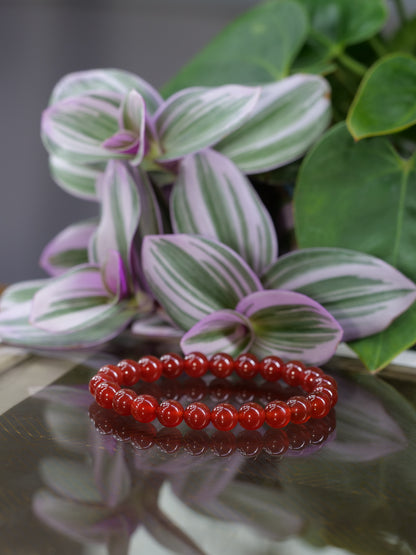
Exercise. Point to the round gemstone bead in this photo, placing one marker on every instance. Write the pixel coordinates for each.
(309, 377)
(223, 443)
(122, 401)
(150, 368)
(224, 417)
(144, 437)
(196, 442)
(143, 408)
(320, 405)
(299, 408)
(293, 373)
(197, 416)
(271, 368)
(251, 416)
(326, 381)
(111, 373)
(249, 443)
(329, 391)
(275, 442)
(130, 372)
(221, 365)
(104, 394)
(195, 364)
(277, 414)
(298, 437)
(169, 441)
(95, 382)
(172, 365)
(170, 413)
(246, 366)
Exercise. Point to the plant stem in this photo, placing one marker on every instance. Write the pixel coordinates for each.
(401, 11)
(377, 45)
(351, 64)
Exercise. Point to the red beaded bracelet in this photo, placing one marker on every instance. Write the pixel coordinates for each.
(321, 391)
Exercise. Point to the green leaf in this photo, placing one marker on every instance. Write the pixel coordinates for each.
(385, 102)
(76, 179)
(257, 47)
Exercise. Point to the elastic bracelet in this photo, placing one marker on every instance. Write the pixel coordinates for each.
(321, 391)
(295, 440)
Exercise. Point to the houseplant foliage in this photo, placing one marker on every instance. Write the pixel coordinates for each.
(184, 246)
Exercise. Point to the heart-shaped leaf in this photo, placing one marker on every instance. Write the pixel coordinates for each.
(363, 293)
(290, 325)
(105, 80)
(199, 117)
(74, 178)
(211, 197)
(257, 47)
(385, 102)
(289, 116)
(225, 331)
(193, 276)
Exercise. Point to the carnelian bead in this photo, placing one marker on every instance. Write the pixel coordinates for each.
(197, 416)
(95, 382)
(329, 391)
(320, 405)
(309, 377)
(111, 373)
(326, 381)
(130, 372)
(143, 408)
(298, 437)
(275, 442)
(299, 408)
(196, 442)
(251, 416)
(169, 441)
(293, 373)
(249, 443)
(246, 366)
(221, 365)
(170, 413)
(277, 414)
(122, 401)
(143, 437)
(150, 368)
(271, 368)
(224, 417)
(172, 365)
(195, 364)
(104, 394)
(223, 443)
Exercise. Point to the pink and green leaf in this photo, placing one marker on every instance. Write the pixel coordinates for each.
(211, 197)
(74, 178)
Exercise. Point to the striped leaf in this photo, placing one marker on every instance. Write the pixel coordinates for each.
(193, 276)
(213, 198)
(69, 248)
(224, 331)
(199, 117)
(362, 292)
(290, 325)
(120, 214)
(76, 128)
(105, 80)
(76, 179)
(20, 293)
(288, 118)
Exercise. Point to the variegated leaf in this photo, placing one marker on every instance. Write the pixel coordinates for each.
(199, 117)
(105, 80)
(288, 118)
(361, 291)
(193, 276)
(120, 214)
(290, 325)
(20, 293)
(211, 197)
(69, 248)
(76, 179)
(225, 331)
(76, 128)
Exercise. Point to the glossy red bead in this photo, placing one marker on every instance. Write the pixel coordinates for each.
(309, 377)
(326, 381)
(195, 364)
(251, 416)
(196, 443)
(172, 365)
(95, 382)
(143, 408)
(320, 405)
(329, 391)
(249, 443)
(224, 417)
(246, 366)
(271, 368)
(275, 442)
(293, 372)
(150, 368)
(299, 408)
(197, 416)
(277, 414)
(143, 437)
(298, 436)
(169, 441)
(170, 413)
(122, 401)
(130, 370)
(221, 365)
(223, 443)
(111, 373)
(104, 394)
